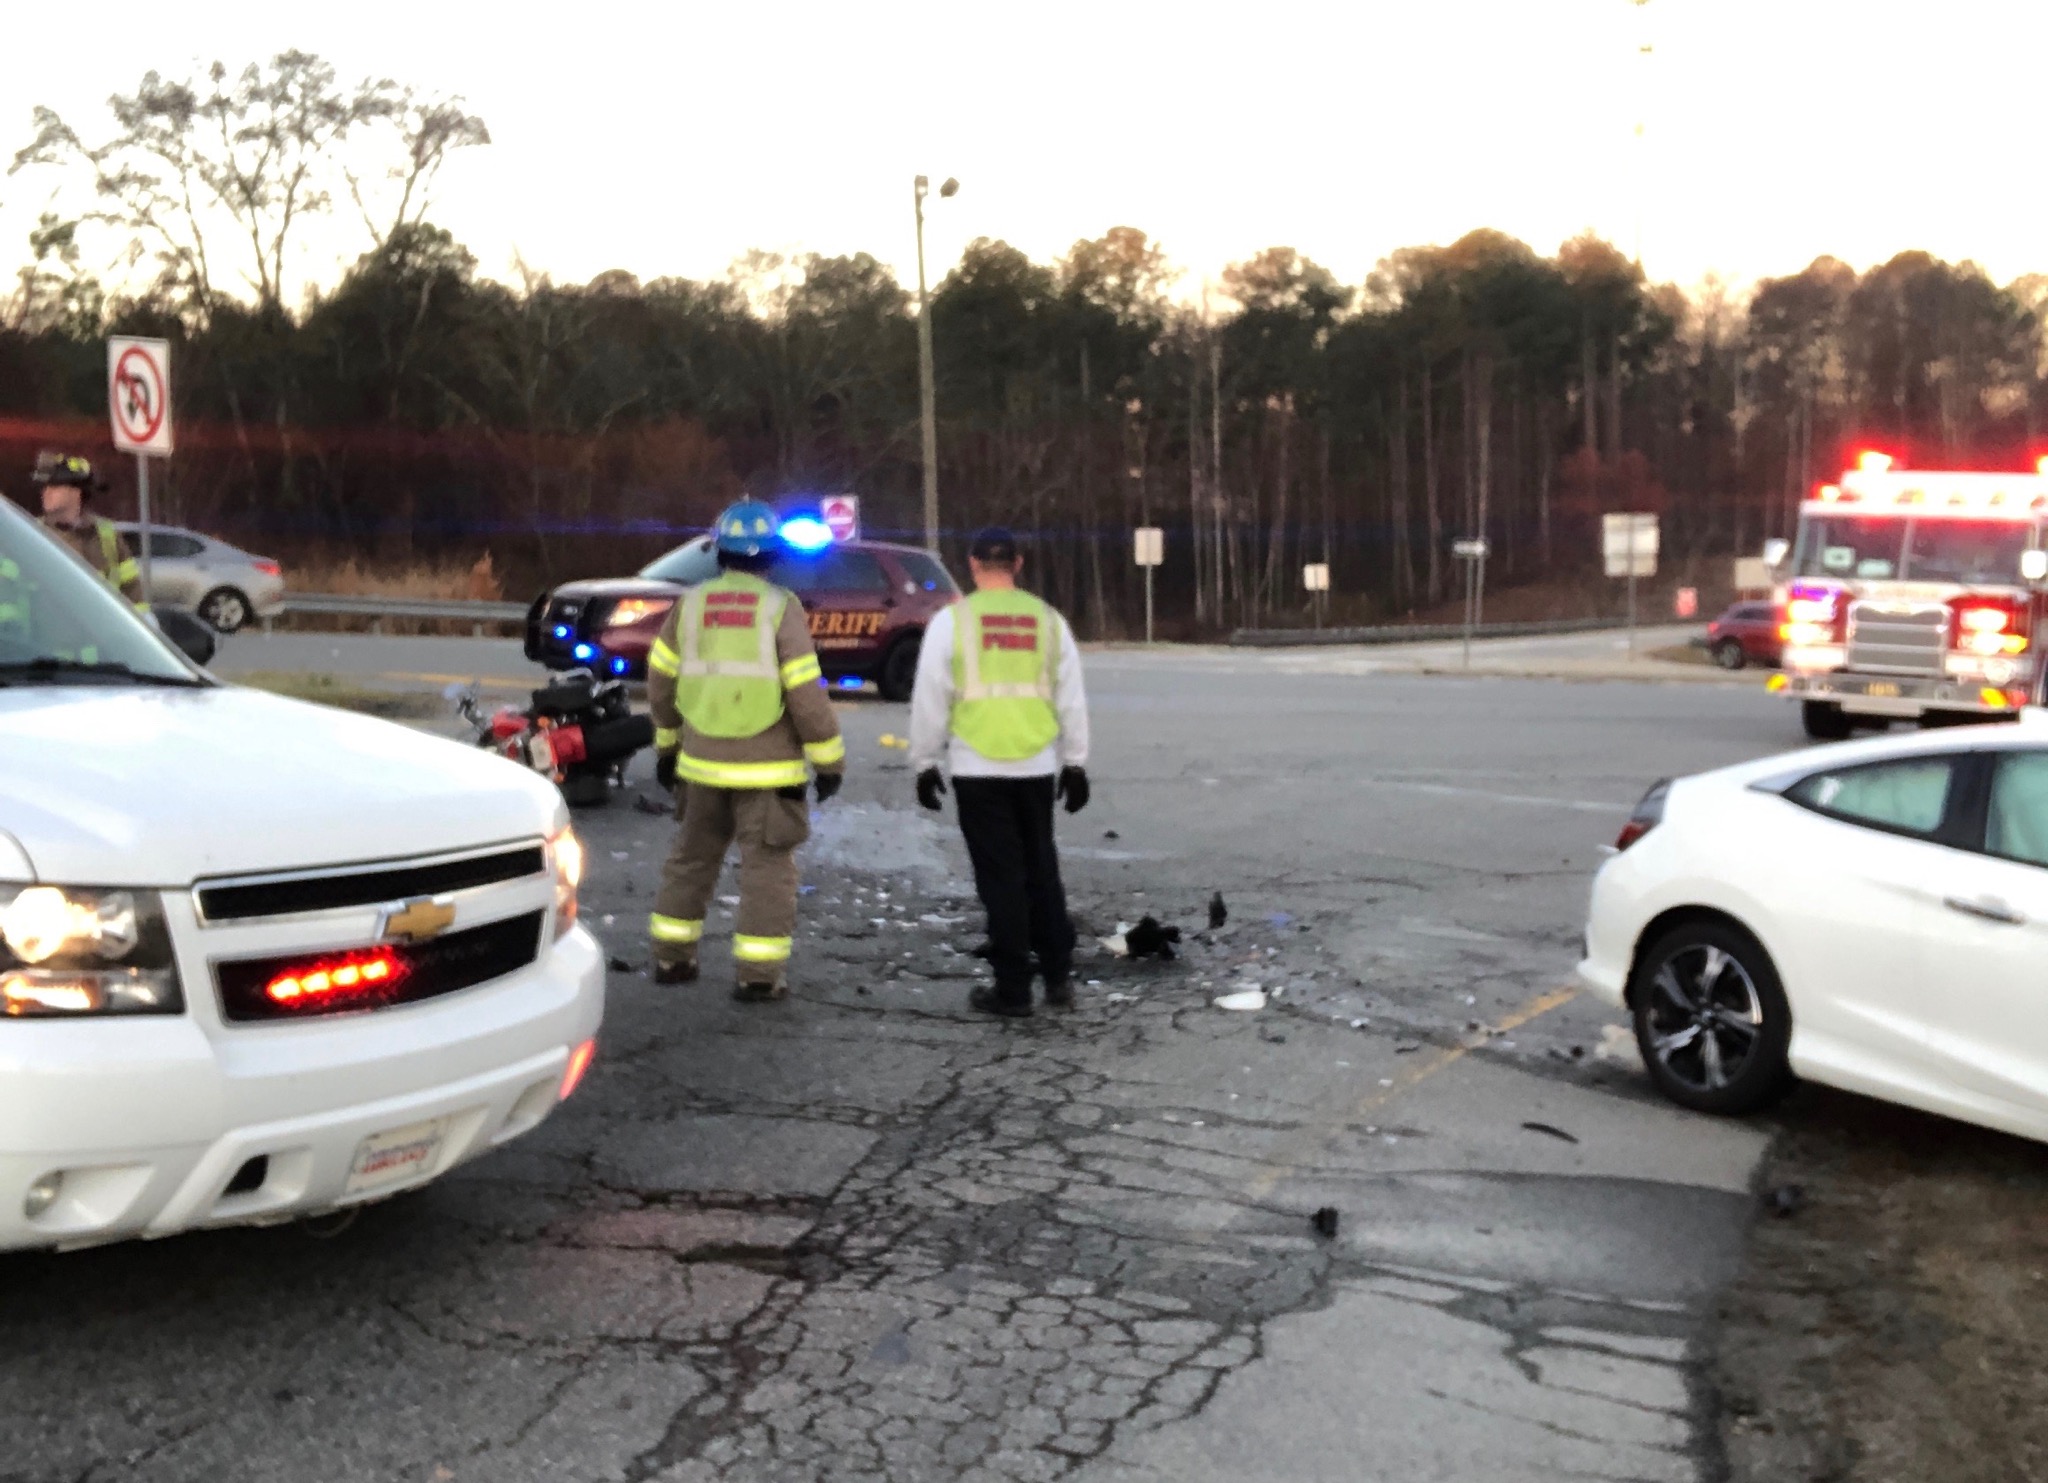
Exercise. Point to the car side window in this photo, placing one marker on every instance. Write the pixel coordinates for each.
(837, 570)
(925, 572)
(163, 543)
(1908, 795)
(2016, 822)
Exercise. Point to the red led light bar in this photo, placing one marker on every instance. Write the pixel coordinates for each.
(369, 975)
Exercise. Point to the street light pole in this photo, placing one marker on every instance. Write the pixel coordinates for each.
(927, 392)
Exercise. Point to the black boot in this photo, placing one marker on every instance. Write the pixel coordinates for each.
(988, 1001)
(1059, 992)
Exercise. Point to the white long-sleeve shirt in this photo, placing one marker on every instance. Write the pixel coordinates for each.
(931, 711)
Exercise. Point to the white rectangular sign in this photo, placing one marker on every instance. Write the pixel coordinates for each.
(1148, 546)
(139, 394)
(1468, 550)
(1315, 577)
(1628, 542)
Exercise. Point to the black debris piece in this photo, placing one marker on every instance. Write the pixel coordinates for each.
(1787, 1199)
(860, 989)
(1407, 1047)
(648, 805)
(1150, 940)
(620, 965)
(1218, 912)
(1111, 834)
(1578, 1053)
(1548, 1131)
(1271, 1039)
(1325, 1222)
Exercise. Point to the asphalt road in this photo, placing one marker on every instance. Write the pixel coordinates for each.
(865, 1235)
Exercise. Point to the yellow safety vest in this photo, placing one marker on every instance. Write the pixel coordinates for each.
(13, 596)
(728, 683)
(1005, 656)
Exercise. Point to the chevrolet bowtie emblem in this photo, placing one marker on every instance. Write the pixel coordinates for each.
(415, 921)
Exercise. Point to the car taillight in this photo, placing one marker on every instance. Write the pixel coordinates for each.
(1647, 815)
(268, 567)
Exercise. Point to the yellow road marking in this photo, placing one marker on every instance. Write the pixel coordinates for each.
(1319, 1135)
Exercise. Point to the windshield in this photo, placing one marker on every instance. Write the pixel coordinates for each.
(1969, 551)
(686, 565)
(60, 622)
(1876, 547)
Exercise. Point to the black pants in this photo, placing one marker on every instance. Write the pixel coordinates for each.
(1007, 823)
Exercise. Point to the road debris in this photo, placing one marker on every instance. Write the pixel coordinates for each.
(1550, 1130)
(1787, 1199)
(1218, 912)
(1618, 1044)
(648, 805)
(894, 742)
(1243, 999)
(1325, 1222)
(1111, 834)
(621, 965)
(1150, 940)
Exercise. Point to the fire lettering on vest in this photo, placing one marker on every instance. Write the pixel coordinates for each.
(732, 599)
(1009, 631)
(728, 618)
(1025, 641)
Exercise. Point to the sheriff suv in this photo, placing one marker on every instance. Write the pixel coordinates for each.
(869, 602)
(259, 959)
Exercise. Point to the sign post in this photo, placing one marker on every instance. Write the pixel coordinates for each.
(139, 403)
(1315, 578)
(1472, 553)
(1148, 549)
(1628, 543)
(841, 514)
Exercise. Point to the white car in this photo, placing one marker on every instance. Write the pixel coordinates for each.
(258, 959)
(223, 584)
(1872, 915)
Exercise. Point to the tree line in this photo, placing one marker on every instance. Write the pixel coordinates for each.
(416, 408)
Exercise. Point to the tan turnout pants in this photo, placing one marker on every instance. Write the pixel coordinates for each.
(769, 824)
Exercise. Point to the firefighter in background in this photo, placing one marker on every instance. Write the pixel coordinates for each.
(741, 716)
(67, 483)
(999, 697)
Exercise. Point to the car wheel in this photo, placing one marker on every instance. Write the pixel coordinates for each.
(898, 675)
(224, 609)
(1711, 1019)
(1728, 654)
(586, 787)
(1824, 720)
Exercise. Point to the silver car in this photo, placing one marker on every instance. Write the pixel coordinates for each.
(224, 585)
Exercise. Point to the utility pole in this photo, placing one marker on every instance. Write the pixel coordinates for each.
(927, 391)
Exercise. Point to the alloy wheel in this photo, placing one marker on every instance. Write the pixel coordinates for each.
(1705, 1018)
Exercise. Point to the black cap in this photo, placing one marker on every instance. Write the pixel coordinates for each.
(994, 544)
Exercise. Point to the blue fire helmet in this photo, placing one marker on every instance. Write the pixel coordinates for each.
(746, 529)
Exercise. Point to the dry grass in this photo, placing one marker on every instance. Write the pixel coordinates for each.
(392, 705)
(476, 582)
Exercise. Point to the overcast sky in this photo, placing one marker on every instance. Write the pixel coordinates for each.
(668, 138)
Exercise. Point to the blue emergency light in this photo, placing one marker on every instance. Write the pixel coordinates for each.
(563, 630)
(584, 652)
(805, 533)
(849, 682)
(619, 665)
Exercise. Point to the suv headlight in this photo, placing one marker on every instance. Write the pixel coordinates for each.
(69, 950)
(565, 859)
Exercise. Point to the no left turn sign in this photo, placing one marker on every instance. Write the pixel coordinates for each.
(139, 394)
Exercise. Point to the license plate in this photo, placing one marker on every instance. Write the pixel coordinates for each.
(1882, 690)
(397, 1156)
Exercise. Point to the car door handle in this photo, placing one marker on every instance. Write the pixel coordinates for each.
(1990, 908)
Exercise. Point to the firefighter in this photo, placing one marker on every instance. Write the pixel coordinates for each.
(67, 483)
(999, 697)
(739, 710)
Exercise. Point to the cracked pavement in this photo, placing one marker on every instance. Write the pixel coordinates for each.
(865, 1235)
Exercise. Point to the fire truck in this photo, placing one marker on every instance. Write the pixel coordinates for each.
(1913, 594)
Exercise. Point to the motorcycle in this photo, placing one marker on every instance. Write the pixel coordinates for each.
(578, 730)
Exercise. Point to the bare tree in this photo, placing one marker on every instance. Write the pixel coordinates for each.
(427, 131)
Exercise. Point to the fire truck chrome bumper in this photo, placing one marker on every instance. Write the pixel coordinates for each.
(1877, 695)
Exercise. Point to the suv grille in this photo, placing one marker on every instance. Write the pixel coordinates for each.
(442, 965)
(339, 890)
(1900, 640)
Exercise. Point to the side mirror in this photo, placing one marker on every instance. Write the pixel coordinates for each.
(1775, 552)
(193, 638)
(2034, 565)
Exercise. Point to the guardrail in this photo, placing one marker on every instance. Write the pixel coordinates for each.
(376, 609)
(1414, 633)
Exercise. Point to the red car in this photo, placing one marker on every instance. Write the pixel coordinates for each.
(868, 601)
(1746, 634)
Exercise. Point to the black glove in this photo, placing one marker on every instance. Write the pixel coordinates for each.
(1073, 786)
(828, 783)
(929, 786)
(665, 771)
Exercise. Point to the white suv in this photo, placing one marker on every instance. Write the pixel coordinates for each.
(258, 959)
